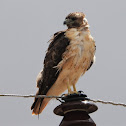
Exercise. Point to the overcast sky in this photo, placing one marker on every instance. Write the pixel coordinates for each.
(25, 28)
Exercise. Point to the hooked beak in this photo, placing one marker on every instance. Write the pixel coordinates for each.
(67, 21)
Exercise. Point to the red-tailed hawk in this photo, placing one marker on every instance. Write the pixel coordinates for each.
(70, 54)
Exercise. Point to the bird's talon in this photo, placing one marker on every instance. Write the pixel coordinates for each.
(74, 92)
(70, 93)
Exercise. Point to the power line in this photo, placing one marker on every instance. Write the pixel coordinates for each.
(107, 102)
(28, 96)
(44, 96)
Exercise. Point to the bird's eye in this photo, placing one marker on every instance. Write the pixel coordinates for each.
(73, 18)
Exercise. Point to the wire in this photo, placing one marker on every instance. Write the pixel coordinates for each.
(28, 96)
(107, 102)
(44, 96)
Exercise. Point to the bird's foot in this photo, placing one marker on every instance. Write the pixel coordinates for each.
(74, 92)
(74, 95)
(71, 92)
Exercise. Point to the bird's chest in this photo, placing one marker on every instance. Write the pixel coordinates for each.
(82, 59)
(81, 49)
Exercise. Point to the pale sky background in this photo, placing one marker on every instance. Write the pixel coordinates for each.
(25, 28)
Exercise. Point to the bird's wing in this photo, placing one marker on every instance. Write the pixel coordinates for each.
(93, 60)
(53, 56)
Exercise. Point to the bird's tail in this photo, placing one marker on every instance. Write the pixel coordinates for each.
(39, 105)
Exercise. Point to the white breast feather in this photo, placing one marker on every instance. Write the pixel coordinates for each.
(81, 47)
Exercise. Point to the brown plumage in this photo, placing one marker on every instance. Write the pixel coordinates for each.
(69, 55)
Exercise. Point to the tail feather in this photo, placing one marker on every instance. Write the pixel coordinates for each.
(35, 101)
(39, 105)
(33, 105)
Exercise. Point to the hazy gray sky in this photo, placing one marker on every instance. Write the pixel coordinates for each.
(25, 28)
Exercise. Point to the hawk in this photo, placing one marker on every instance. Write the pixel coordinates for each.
(69, 55)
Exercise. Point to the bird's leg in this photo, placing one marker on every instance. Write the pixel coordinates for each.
(68, 86)
(74, 89)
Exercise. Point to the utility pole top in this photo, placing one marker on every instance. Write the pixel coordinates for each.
(75, 110)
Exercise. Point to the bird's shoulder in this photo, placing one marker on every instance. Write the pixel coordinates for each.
(57, 47)
(59, 38)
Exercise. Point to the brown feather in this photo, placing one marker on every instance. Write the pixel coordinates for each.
(53, 56)
(69, 55)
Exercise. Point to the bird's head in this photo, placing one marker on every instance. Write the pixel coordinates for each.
(76, 19)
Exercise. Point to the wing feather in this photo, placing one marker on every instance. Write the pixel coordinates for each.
(93, 60)
(53, 56)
